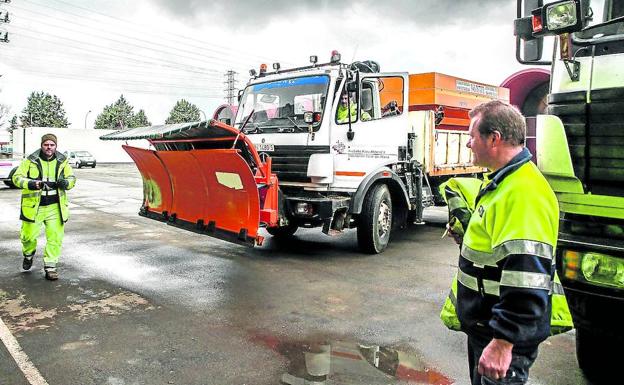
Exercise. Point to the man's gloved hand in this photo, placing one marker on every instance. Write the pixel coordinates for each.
(47, 185)
(455, 229)
(34, 185)
(62, 183)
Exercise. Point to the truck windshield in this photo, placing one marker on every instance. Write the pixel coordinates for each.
(279, 105)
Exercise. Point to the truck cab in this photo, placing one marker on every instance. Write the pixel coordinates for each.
(322, 160)
(580, 150)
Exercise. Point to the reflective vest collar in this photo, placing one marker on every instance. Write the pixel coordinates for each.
(496, 177)
(37, 155)
(34, 156)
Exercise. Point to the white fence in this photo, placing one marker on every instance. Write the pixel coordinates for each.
(108, 151)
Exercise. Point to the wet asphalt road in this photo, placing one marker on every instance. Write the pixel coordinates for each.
(140, 302)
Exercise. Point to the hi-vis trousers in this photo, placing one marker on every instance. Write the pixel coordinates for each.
(50, 217)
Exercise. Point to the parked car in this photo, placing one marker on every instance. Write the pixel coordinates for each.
(7, 169)
(80, 159)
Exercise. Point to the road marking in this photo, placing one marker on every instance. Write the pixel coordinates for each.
(21, 359)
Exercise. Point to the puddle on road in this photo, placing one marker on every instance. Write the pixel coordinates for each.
(351, 363)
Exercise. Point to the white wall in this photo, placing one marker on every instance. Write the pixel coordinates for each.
(108, 151)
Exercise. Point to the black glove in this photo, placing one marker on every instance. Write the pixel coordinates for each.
(47, 185)
(32, 185)
(63, 184)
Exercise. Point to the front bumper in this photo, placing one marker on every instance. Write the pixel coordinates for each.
(324, 209)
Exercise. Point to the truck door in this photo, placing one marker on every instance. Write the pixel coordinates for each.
(379, 126)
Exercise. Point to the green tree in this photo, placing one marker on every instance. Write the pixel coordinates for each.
(140, 120)
(183, 112)
(14, 123)
(120, 115)
(43, 110)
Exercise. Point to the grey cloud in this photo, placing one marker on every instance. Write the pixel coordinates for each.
(424, 12)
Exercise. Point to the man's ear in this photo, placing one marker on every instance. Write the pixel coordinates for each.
(495, 138)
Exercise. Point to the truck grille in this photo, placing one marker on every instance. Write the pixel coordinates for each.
(610, 230)
(595, 134)
(290, 163)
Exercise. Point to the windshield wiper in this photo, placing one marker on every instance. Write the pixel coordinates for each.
(255, 130)
(295, 125)
(247, 119)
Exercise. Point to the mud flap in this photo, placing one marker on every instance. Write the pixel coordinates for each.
(212, 192)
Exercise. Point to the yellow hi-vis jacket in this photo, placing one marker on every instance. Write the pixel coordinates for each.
(506, 255)
(33, 168)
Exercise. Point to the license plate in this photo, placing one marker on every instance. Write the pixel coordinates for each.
(265, 147)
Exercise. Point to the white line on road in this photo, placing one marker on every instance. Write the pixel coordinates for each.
(30, 372)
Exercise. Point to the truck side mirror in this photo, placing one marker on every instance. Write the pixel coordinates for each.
(532, 46)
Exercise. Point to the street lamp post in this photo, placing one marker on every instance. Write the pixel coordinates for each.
(87, 114)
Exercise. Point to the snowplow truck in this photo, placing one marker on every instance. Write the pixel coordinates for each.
(331, 145)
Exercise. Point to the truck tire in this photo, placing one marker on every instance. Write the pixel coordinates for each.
(595, 353)
(282, 231)
(9, 182)
(375, 220)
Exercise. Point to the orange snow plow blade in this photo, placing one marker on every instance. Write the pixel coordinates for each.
(205, 185)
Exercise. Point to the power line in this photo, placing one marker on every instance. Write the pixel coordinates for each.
(159, 61)
(172, 50)
(119, 81)
(108, 85)
(216, 48)
(65, 62)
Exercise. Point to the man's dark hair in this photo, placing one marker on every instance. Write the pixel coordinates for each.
(502, 117)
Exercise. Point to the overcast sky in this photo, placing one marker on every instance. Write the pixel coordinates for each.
(156, 52)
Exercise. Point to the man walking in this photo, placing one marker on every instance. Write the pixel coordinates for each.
(506, 265)
(44, 177)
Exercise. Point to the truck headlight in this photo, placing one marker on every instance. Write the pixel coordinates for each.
(596, 268)
(561, 15)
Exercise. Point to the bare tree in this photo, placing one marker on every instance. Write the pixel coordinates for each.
(4, 117)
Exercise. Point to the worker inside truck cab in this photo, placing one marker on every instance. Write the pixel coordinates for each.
(346, 104)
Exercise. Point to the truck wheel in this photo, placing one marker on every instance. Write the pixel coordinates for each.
(282, 231)
(9, 182)
(375, 220)
(594, 353)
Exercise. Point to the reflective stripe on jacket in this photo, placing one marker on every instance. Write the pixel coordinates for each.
(33, 168)
(506, 268)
